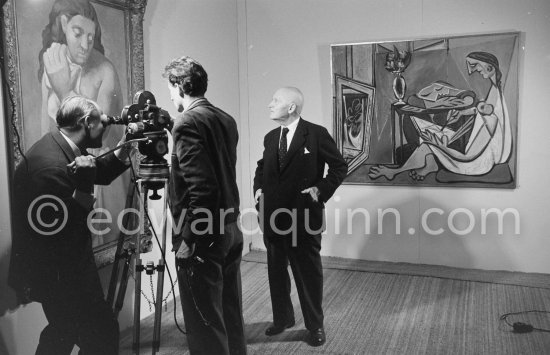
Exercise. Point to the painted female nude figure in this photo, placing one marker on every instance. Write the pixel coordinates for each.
(490, 142)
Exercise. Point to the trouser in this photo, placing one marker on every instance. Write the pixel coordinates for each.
(211, 295)
(305, 262)
(77, 314)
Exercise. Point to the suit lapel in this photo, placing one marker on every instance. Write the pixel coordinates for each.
(272, 148)
(297, 142)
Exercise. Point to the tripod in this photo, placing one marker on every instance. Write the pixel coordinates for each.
(127, 252)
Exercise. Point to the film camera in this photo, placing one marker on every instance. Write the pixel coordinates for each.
(145, 119)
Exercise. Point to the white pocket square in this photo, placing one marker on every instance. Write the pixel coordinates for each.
(306, 151)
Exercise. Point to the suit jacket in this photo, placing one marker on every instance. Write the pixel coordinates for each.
(310, 149)
(37, 258)
(203, 185)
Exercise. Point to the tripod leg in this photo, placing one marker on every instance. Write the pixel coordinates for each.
(158, 306)
(123, 283)
(113, 281)
(120, 243)
(137, 306)
(160, 274)
(139, 269)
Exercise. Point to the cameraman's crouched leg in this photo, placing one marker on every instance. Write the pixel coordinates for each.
(99, 329)
(99, 333)
(93, 329)
(210, 291)
(77, 312)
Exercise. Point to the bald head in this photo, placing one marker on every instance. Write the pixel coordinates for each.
(293, 96)
(286, 105)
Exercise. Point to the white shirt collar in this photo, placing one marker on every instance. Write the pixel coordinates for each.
(291, 130)
(292, 126)
(74, 147)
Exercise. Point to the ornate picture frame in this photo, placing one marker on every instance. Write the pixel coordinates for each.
(24, 23)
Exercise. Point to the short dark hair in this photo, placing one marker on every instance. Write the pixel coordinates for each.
(188, 74)
(73, 109)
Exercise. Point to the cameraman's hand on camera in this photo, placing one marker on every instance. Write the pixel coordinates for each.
(84, 170)
(123, 154)
(185, 251)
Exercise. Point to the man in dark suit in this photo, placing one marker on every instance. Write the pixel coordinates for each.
(291, 189)
(205, 208)
(52, 259)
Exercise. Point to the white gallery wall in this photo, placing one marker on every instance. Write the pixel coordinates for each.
(288, 43)
(252, 47)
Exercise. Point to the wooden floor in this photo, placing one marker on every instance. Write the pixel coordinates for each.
(389, 308)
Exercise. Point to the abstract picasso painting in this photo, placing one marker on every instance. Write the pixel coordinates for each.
(429, 112)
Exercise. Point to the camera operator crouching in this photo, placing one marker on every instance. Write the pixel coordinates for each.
(52, 259)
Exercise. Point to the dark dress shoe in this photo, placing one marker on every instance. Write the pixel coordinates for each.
(317, 337)
(273, 330)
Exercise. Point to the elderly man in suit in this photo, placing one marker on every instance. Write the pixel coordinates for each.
(52, 260)
(290, 188)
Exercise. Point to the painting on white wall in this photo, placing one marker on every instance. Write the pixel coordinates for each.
(445, 111)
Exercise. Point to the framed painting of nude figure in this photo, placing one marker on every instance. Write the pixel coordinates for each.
(445, 111)
(57, 48)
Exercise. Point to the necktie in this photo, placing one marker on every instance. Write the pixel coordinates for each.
(282, 148)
